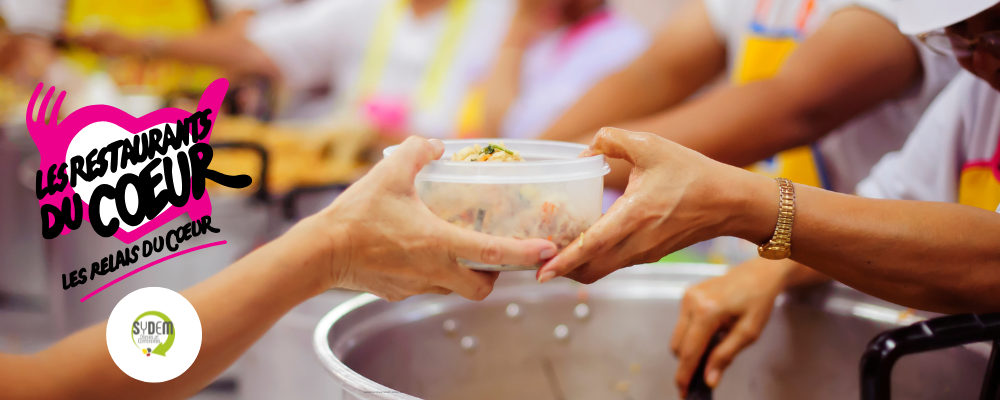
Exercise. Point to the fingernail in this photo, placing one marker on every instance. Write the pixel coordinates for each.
(439, 145)
(548, 253)
(546, 276)
(712, 377)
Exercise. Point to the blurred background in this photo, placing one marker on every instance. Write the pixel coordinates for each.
(318, 89)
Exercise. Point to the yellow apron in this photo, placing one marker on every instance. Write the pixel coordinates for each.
(428, 94)
(979, 185)
(764, 51)
(163, 18)
(472, 115)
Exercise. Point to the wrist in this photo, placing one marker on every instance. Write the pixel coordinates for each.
(774, 276)
(752, 213)
(326, 246)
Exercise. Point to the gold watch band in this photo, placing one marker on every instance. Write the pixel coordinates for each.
(780, 245)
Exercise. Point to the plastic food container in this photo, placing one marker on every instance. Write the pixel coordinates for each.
(553, 194)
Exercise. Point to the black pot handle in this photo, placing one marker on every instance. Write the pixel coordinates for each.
(262, 194)
(934, 334)
(698, 389)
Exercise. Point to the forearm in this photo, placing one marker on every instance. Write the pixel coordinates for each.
(785, 274)
(797, 275)
(926, 255)
(221, 49)
(236, 307)
(747, 115)
(855, 62)
(637, 91)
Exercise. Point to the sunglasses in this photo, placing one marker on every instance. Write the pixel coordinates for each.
(951, 44)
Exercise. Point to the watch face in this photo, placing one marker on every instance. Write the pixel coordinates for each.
(774, 253)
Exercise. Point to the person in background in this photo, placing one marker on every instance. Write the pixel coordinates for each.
(925, 254)
(818, 89)
(398, 67)
(26, 47)
(825, 86)
(953, 156)
(555, 50)
(376, 237)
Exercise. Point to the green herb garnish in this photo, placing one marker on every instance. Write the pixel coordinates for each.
(492, 148)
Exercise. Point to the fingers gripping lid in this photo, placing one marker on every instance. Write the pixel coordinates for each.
(919, 16)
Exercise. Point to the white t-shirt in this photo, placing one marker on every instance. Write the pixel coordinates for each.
(42, 17)
(850, 151)
(961, 128)
(561, 67)
(327, 42)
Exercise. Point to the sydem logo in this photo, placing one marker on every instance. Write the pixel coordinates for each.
(153, 333)
(163, 334)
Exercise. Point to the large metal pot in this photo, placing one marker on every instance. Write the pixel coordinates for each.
(444, 347)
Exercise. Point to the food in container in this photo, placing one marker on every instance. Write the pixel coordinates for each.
(493, 152)
(550, 193)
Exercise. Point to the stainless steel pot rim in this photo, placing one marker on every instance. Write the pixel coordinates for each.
(849, 303)
(355, 383)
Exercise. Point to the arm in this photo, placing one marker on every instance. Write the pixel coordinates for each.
(224, 46)
(257, 291)
(857, 60)
(376, 237)
(927, 255)
(684, 57)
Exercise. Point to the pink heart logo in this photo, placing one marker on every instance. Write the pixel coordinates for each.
(100, 126)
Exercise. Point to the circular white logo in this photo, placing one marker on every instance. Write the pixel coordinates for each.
(154, 334)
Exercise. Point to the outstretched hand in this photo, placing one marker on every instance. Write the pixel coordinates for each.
(387, 242)
(675, 197)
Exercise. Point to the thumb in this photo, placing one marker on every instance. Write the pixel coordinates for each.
(622, 144)
(495, 250)
(409, 158)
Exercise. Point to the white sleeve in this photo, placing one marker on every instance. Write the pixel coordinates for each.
(720, 14)
(306, 40)
(43, 17)
(927, 167)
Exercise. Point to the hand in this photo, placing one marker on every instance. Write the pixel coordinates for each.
(739, 303)
(384, 241)
(109, 43)
(675, 197)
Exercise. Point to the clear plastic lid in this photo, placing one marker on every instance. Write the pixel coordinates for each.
(545, 161)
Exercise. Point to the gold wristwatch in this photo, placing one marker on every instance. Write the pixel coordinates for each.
(780, 245)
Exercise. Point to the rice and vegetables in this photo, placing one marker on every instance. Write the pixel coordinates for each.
(492, 152)
(519, 210)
